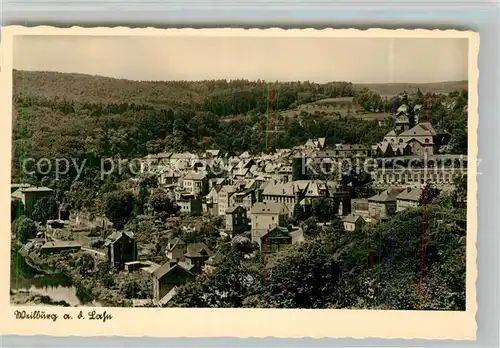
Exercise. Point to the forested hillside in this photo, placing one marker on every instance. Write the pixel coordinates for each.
(90, 117)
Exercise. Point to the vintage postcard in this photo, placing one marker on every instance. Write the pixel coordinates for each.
(239, 183)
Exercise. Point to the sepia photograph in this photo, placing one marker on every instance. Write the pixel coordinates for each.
(240, 171)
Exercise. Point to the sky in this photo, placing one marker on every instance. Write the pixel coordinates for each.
(358, 60)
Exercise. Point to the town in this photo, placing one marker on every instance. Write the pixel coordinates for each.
(194, 201)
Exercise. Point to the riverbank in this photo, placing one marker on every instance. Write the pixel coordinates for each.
(93, 282)
(30, 298)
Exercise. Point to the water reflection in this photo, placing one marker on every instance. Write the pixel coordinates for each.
(56, 286)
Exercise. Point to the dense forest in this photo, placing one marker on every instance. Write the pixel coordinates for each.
(87, 118)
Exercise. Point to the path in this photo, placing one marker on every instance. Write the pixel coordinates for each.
(98, 253)
(89, 250)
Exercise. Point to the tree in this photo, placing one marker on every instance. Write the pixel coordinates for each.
(16, 209)
(460, 190)
(23, 229)
(118, 207)
(150, 181)
(299, 213)
(161, 202)
(429, 194)
(136, 286)
(44, 209)
(302, 276)
(85, 264)
(325, 209)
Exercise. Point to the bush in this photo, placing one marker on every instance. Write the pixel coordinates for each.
(24, 228)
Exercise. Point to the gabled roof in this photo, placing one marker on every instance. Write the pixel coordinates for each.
(198, 250)
(268, 208)
(321, 141)
(228, 188)
(167, 268)
(403, 109)
(351, 218)
(192, 175)
(392, 133)
(36, 189)
(281, 231)
(413, 194)
(241, 171)
(421, 129)
(164, 155)
(182, 155)
(230, 210)
(347, 147)
(389, 195)
(176, 241)
(287, 189)
(17, 194)
(115, 236)
(18, 186)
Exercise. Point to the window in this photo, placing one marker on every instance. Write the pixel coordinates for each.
(272, 218)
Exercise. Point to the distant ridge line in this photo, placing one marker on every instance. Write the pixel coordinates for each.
(364, 84)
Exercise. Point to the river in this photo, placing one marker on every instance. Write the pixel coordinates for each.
(58, 287)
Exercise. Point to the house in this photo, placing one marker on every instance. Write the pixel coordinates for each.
(409, 198)
(285, 174)
(147, 163)
(278, 237)
(175, 250)
(245, 198)
(167, 278)
(122, 248)
(236, 220)
(383, 205)
(195, 183)
(353, 222)
(223, 197)
(275, 239)
(169, 177)
(56, 247)
(265, 216)
(359, 206)
(281, 193)
(418, 140)
(30, 195)
(181, 160)
(197, 254)
(350, 150)
(190, 205)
